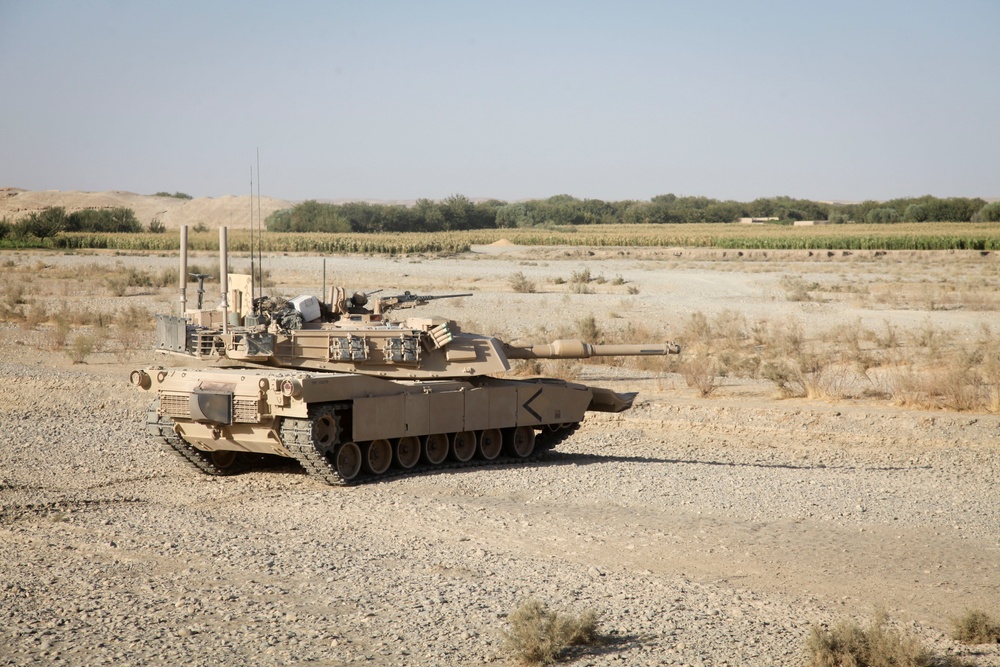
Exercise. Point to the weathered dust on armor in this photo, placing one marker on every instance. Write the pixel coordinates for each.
(351, 394)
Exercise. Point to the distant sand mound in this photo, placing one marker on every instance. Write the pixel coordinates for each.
(213, 212)
(503, 242)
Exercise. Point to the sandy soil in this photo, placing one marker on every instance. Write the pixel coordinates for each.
(705, 531)
(230, 210)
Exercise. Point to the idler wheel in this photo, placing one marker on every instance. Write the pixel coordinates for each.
(490, 444)
(224, 458)
(463, 446)
(435, 448)
(377, 456)
(348, 461)
(407, 452)
(522, 441)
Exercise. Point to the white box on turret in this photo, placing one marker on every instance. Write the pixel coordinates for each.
(307, 306)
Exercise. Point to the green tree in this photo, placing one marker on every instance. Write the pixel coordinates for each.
(457, 212)
(882, 215)
(914, 213)
(988, 213)
(514, 215)
(428, 216)
(49, 222)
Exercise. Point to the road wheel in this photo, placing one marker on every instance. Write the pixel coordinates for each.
(435, 448)
(377, 456)
(521, 442)
(490, 443)
(348, 460)
(407, 452)
(463, 446)
(224, 459)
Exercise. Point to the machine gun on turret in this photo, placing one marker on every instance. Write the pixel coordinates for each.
(407, 300)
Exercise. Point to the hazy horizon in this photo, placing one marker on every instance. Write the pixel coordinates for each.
(395, 101)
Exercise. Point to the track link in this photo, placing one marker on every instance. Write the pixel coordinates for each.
(161, 430)
(297, 436)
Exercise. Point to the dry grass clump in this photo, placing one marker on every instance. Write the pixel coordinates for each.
(81, 348)
(521, 283)
(526, 367)
(975, 627)
(797, 289)
(848, 644)
(540, 636)
(132, 330)
(926, 369)
(588, 331)
(701, 373)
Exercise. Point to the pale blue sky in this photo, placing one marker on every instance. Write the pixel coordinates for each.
(842, 100)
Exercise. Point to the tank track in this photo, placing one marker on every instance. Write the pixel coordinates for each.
(161, 429)
(296, 434)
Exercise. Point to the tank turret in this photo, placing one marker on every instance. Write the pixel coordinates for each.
(351, 393)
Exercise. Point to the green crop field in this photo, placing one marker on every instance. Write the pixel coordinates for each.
(905, 236)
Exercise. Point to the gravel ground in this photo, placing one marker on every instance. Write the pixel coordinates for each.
(703, 531)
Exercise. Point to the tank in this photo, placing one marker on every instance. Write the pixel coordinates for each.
(352, 392)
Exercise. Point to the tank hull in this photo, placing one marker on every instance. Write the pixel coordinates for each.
(218, 419)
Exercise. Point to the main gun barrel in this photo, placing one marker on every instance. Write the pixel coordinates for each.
(577, 349)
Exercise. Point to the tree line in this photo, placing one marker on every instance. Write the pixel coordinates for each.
(459, 213)
(54, 219)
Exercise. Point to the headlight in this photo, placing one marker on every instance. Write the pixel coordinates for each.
(141, 379)
(291, 388)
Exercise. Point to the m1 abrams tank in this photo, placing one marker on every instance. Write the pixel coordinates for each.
(351, 394)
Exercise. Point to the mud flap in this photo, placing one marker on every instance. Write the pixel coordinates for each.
(605, 400)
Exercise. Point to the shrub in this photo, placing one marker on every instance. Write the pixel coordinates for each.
(588, 330)
(877, 645)
(82, 347)
(797, 289)
(60, 332)
(156, 227)
(132, 327)
(36, 315)
(521, 283)
(538, 636)
(701, 373)
(118, 284)
(975, 627)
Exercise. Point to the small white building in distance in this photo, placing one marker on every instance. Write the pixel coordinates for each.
(809, 223)
(755, 221)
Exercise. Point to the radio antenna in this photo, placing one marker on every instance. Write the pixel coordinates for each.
(260, 229)
(252, 295)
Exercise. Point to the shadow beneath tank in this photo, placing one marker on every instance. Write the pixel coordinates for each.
(563, 458)
(275, 464)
